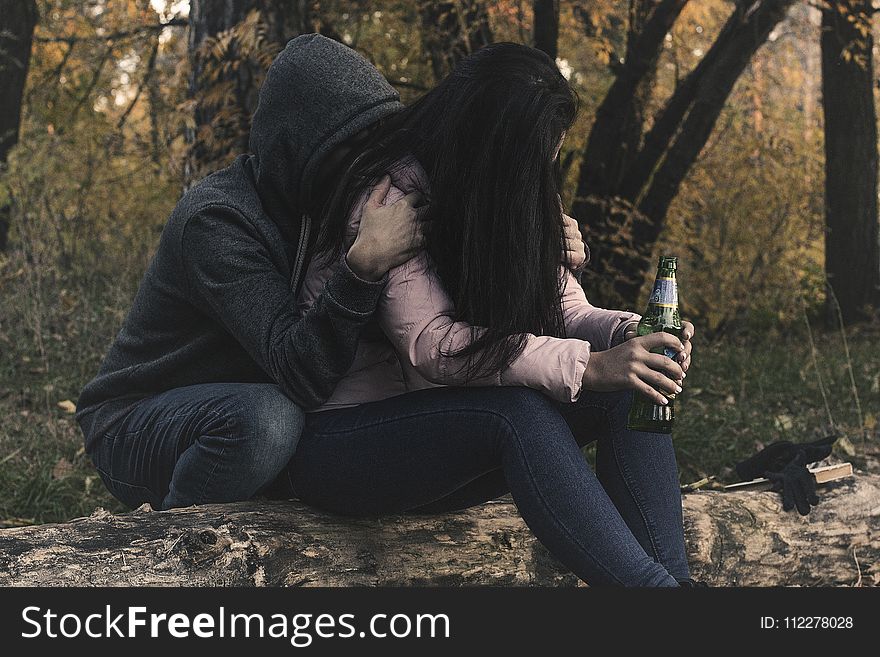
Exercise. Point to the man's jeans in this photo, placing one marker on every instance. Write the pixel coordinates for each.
(218, 442)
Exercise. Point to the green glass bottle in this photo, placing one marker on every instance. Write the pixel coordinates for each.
(661, 315)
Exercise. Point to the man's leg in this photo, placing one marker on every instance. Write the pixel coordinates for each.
(207, 443)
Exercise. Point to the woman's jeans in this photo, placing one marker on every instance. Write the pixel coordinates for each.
(428, 451)
(442, 449)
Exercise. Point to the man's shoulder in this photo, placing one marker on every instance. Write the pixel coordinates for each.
(232, 188)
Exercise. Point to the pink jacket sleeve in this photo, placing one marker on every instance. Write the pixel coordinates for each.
(601, 328)
(416, 314)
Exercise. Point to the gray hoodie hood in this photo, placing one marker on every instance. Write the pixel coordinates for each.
(317, 93)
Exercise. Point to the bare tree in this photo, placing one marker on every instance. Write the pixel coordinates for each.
(546, 29)
(628, 177)
(18, 18)
(852, 250)
(231, 44)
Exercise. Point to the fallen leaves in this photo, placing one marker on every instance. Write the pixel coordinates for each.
(784, 422)
(63, 468)
(67, 406)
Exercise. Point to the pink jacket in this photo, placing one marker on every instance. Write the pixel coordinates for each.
(402, 348)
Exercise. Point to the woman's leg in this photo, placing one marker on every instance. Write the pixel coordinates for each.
(639, 472)
(414, 450)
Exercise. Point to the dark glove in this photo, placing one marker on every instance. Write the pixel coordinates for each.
(796, 483)
(776, 456)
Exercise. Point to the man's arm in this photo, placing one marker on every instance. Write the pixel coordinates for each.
(232, 278)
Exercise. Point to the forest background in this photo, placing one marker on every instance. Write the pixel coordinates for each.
(739, 135)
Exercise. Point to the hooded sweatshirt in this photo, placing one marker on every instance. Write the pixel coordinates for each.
(218, 301)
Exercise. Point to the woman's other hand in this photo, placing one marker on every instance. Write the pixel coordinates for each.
(684, 357)
(632, 365)
(575, 254)
(388, 235)
(687, 332)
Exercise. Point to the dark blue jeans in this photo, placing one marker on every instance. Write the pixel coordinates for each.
(450, 448)
(219, 442)
(424, 452)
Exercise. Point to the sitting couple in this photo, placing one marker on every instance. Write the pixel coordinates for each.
(375, 312)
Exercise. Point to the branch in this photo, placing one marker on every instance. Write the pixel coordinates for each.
(739, 36)
(151, 67)
(114, 36)
(708, 95)
(605, 135)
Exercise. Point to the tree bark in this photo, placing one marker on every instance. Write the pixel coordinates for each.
(451, 31)
(18, 18)
(625, 188)
(741, 538)
(282, 20)
(546, 29)
(207, 20)
(852, 249)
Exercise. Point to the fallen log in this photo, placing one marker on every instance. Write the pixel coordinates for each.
(734, 538)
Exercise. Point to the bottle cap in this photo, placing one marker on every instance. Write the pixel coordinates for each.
(669, 262)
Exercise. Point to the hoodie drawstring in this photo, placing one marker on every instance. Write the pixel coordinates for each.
(300, 254)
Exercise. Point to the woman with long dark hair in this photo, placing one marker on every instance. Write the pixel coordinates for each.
(486, 367)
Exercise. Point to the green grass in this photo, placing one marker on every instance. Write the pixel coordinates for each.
(739, 394)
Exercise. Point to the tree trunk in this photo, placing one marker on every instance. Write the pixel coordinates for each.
(546, 30)
(739, 538)
(18, 18)
(451, 31)
(221, 130)
(624, 189)
(852, 250)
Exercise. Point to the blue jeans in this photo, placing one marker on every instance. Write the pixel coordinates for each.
(218, 442)
(450, 448)
(425, 452)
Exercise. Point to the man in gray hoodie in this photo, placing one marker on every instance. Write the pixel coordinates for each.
(200, 397)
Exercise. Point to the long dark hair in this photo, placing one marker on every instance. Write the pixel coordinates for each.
(486, 136)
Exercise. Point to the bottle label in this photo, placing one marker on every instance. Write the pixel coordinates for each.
(665, 293)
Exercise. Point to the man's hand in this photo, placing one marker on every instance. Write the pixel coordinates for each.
(389, 235)
(632, 365)
(575, 254)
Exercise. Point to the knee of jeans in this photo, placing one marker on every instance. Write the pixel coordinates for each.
(269, 426)
(531, 415)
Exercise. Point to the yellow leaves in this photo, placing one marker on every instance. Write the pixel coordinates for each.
(870, 421)
(784, 422)
(67, 406)
(844, 445)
